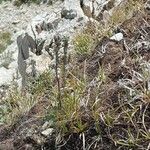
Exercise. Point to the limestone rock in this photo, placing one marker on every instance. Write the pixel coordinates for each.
(68, 14)
(47, 132)
(87, 6)
(117, 37)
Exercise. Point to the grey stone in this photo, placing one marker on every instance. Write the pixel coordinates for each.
(117, 37)
(87, 8)
(48, 132)
(45, 125)
(68, 14)
(53, 25)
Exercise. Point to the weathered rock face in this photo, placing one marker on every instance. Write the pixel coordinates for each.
(64, 18)
(26, 42)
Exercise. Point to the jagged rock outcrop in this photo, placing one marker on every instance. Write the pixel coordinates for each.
(24, 42)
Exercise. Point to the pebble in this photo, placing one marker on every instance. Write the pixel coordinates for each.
(48, 132)
(117, 37)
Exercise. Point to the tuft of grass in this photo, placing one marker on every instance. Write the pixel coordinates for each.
(18, 104)
(5, 40)
(83, 44)
(39, 85)
(120, 14)
(125, 11)
(69, 112)
(15, 106)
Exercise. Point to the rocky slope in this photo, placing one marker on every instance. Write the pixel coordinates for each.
(65, 19)
(104, 93)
